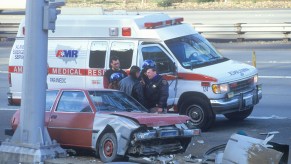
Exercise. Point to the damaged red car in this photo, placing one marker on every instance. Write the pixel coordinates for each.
(112, 124)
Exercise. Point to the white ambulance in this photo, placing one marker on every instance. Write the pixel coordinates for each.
(202, 82)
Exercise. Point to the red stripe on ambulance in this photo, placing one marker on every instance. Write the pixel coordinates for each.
(15, 69)
(67, 71)
(196, 77)
(95, 72)
(64, 71)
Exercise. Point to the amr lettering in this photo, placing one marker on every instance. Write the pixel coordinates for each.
(67, 53)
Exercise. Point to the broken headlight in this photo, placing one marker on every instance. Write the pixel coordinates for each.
(145, 135)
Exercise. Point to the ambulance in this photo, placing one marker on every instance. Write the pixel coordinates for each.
(202, 83)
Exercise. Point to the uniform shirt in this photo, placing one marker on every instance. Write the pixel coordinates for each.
(107, 75)
(156, 92)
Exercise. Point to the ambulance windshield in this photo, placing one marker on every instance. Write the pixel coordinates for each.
(193, 51)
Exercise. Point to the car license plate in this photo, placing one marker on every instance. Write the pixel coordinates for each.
(249, 101)
(169, 133)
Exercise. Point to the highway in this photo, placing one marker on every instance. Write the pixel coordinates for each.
(268, 24)
(198, 16)
(271, 114)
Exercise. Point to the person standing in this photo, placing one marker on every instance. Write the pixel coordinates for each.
(114, 68)
(146, 64)
(132, 86)
(156, 91)
(114, 81)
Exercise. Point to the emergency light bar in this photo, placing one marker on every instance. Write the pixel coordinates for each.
(170, 22)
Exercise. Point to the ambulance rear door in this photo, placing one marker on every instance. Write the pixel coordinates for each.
(96, 61)
(126, 51)
(99, 58)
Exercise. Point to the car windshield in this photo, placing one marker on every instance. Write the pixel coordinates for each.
(193, 50)
(115, 101)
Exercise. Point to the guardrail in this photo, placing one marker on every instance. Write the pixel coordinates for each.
(238, 31)
(8, 30)
(243, 31)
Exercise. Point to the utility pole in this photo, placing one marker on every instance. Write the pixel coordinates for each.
(31, 142)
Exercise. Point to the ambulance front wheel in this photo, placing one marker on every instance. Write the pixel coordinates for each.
(200, 113)
(239, 116)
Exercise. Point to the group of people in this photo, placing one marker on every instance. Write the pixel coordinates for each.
(145, 85)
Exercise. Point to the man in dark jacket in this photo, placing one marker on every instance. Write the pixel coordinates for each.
(132, 86)
(156, 91)
(114, 68)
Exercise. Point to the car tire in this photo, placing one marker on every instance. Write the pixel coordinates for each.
(200, 112)
(108, 148)
(239, 116)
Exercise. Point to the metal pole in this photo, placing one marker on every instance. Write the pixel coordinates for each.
(31, 142)
(34, 74)
(254, 59)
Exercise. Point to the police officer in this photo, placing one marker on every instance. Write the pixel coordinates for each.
(156, 91)
(146, 64)
(132, 86)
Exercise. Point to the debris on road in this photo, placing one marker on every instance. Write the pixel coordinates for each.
(248, 150)
(251, 150)
(192, 159)
(200, 141)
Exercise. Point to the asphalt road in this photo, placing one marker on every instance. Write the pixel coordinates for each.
(271, 114)
(197, 16)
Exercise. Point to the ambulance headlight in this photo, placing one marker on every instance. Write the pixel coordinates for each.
(220, 88)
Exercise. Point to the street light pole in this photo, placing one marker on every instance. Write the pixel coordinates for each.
(31, 142)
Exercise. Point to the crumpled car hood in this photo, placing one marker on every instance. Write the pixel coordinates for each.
(152, 119)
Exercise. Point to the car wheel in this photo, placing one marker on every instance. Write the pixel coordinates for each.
(108, 148)
(239, 116)
(200, 113)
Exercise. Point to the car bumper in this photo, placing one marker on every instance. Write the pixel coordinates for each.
(9, 132)
(237, 103)
(12, 100)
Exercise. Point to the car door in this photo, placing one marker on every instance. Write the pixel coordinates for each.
(165, 66)
(72, 120)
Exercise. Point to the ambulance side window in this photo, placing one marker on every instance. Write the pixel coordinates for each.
(124, 51)
(97, 54)
(163, 62)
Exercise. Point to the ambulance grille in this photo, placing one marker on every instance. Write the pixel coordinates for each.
(242, 86)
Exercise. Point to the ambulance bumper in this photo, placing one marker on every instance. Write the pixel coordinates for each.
(9, 96)
(239, 102)
(12, 100)
(9, 132)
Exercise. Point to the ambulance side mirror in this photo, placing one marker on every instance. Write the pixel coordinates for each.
(50, 13)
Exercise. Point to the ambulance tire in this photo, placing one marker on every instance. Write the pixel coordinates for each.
(200, 112)
(108, 148)
(239, 116)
